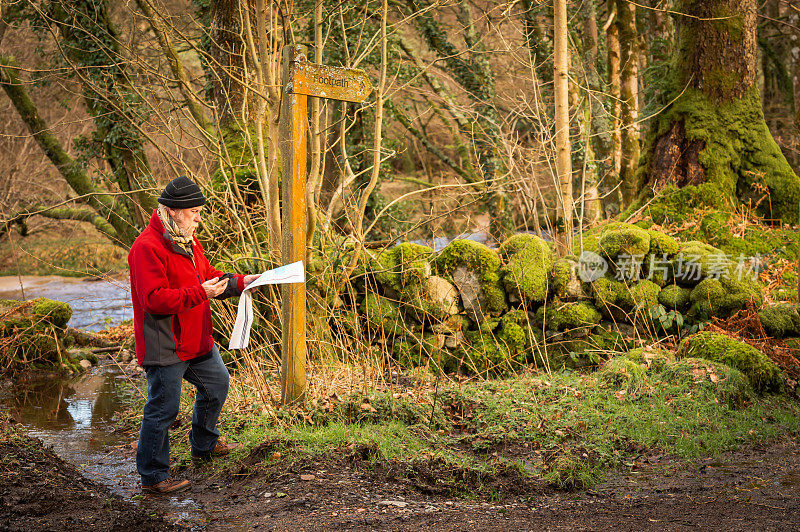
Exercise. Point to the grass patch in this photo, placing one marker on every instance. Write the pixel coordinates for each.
(69, 256)
(566, 429)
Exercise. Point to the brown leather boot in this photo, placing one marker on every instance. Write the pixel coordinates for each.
(170, 485)
(220, 449)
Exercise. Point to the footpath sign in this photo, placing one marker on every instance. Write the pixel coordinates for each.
(302, 79)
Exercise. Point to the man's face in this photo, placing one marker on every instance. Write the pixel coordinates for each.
(187, 219)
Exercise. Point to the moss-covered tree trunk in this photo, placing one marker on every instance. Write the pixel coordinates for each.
(92, 45)
(614, 194)
(629, 98)
(714, 131)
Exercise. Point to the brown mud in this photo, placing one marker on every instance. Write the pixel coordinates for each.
(39, 491)
(752, 489)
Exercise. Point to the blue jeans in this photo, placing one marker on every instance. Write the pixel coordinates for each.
(210, 377)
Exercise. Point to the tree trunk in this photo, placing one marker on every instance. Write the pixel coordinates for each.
(227, 52)
(714, 133)
(563, 156)
(614, 197)
(595, 126)
(629, 98)
(91, 46)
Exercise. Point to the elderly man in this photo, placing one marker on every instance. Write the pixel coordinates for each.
(171, 285)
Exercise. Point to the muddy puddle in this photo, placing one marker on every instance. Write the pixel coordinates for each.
(76, 417)
(96, 303)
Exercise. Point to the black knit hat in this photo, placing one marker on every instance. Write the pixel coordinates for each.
(182, 193)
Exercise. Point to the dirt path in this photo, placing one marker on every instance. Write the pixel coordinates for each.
(39, 491)
(754, 489)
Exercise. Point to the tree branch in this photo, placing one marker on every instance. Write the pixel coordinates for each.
(192, 102)
(69, 168)
(406, 123)
(60, 213)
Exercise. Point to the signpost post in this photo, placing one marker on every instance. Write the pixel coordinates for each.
(301, 80)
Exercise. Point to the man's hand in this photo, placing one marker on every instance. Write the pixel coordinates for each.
(249, 279)
(214, 287)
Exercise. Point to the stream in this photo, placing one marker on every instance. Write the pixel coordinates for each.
(96, 303)
(77, 416)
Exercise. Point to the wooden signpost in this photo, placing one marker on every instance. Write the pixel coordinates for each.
(301, 80)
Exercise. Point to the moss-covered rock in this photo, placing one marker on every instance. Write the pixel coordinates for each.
(527, 261)
(780, 320)
(620, 239)
(724, 296)
(608, 297)
(623, 373)
(566, 284)
(741, 288)
(697, 261)
(382, 315)
(640, 296)
(421, 350)
(403, 265)
(728, 385)
(762, 372)
(475, 270)
(485, 355)
(431, 300)
(33, 331)
(662, 244)
(55, 313)
(654, 358)
(516, 334)
(560, 316)
(675, 297)
(709, 297)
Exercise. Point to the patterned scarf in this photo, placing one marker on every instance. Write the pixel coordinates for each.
(180, 242)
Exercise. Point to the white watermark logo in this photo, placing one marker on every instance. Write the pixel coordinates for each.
(591, 267)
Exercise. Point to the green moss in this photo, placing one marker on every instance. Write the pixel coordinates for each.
(559, 316)
(621, 239)
(623, 373)
(485, 355)
(728, 385)
(652, 357)
(662, 244)
(420, 350)
(528, 261)
(478, 258)
(32, 331)
(780, 320)
(762, 372)
(608, 337)
(608, 296)
(382, 315)
(640, 295)
(54, 312)
(698, 260)
(739, 156)
(562, 275)
(742, 288)
(675, 205)
(403, 265)
(710, 298)
(675, 297)
(516, 334)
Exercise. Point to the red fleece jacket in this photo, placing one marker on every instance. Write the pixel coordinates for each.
(171, 312)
